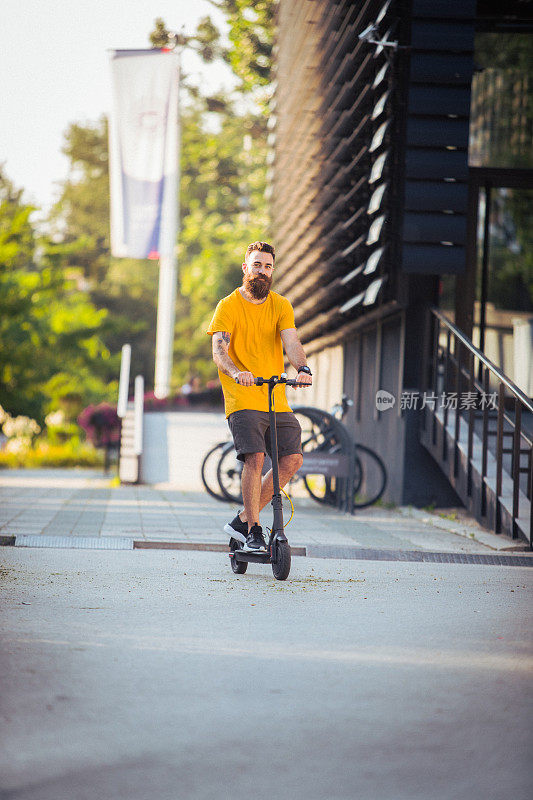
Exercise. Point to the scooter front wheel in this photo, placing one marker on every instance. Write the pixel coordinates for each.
(281, 560)
(238, 567)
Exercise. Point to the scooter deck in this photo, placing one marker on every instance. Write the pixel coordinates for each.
(251, 556)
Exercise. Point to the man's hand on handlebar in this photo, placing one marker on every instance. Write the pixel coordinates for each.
(275, 379)
(244, 379)
(303, 379)
(247, 379)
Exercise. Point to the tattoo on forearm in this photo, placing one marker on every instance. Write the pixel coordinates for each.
(221, 341)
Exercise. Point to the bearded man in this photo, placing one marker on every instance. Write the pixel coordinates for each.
(250, 329)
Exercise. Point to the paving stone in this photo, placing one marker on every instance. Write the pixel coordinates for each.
(169, 514)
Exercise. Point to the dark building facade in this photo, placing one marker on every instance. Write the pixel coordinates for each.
(381, 130)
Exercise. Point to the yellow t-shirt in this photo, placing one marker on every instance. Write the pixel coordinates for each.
(255, 346)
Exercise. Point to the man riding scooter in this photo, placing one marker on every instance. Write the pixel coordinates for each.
(250, 329)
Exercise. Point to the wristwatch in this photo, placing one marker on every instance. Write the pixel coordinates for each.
(305, 369)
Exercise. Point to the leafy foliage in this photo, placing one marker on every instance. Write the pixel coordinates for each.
(17, 239)
(47, 325)
(46, 454)
(251, 33)
(160, 36)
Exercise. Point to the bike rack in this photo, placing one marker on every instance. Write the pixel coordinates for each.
(336, 457)
(340, 465)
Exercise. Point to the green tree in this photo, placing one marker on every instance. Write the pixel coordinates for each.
(18, 393)
(251, 34)
(81, 213)
(17, 239)
(206, 40)
(160, 36)
(47, 325)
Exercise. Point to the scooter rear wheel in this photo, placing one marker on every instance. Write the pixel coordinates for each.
(281, 560)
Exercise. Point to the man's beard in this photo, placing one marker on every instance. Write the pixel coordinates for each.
(258, 287)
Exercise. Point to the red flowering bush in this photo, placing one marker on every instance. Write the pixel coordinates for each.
(209, 397)
(153, 403)
(101, 424)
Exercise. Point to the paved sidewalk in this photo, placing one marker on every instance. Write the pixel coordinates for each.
(76, 504)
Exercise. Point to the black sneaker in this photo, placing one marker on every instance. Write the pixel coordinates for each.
(255, 539)
(237, 529)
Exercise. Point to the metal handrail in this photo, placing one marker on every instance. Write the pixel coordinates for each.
(484, 360)
(478, 385)
(458, 364)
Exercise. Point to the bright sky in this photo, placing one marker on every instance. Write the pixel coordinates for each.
(54, 70)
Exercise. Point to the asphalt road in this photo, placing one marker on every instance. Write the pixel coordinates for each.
(148, 675)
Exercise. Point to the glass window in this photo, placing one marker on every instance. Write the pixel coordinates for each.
(447, 295)
(510, 286)
(501, 119)
(504, 285)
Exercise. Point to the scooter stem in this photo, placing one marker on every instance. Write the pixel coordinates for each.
(277, 505)
(273, 438)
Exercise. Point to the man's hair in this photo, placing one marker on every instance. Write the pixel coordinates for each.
(262, 247)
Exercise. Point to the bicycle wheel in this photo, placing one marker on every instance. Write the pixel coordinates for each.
(209, 472)
(319, 487)
(318, 435)
(373, 477)
(358, 476)
(322, 489)
(229, 471)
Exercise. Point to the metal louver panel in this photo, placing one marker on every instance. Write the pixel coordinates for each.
(369, 154)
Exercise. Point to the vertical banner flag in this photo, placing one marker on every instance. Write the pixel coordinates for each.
(143, 138)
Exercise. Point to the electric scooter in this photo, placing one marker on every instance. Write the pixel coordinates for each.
(278, 552)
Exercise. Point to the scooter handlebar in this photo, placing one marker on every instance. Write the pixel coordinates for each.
(274, 379)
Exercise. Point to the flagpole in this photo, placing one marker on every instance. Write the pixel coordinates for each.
(164, 344)
(166, 300)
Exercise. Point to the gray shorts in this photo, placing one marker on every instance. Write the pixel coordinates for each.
(251, 432)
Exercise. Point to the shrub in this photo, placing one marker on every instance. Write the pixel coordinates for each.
(44, 454)
(209, 398)
(101, 424)
(60, 447)
(59, 430)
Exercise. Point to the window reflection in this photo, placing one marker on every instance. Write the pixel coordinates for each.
(501, 119)
(504, 285)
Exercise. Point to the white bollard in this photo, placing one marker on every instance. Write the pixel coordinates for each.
(138, 409)
(124, 381)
